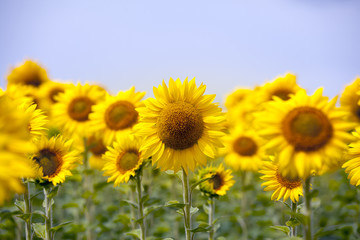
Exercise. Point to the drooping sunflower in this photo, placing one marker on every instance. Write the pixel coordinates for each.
(219, 183)
(307, 132)
(54, 159)
(350, 99)
(72, 110)
(181, 126)
(48, 93)
(244, 150)
(283, 187)
(352, 160)
(123, 159)
(29, 73)
(116, 115)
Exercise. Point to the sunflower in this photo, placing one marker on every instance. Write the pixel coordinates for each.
(281, 87)
(284, 187)
(116, 115)
(220, 180)
(350, 99)
(54, 159)
(37, 122)
(352, 160)
(97, 148)
(244, 150)
(26, 93)
(29, 73)
(48, 93)
(181, 126)
(72, 110)
(307, 132)
(236, 97)
(123, 159)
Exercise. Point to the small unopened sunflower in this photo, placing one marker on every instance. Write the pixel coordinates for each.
(219, 183)
(55, 158)
(123, 159)
(283, 187)
(181, 126)
(29, 73)
(352, 158)
(244, 150)
(350, 99)
(307, 132)
(72, 110)
(116, 115)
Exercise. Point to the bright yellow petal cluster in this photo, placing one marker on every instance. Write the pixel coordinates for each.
(29, 73)
(307, 132)
(352, 157)
(48, 93)
(181, 125)
(350, 99)
(283, 187)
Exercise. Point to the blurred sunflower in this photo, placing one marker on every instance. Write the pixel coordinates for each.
(350, 99)
(29, 73)
(25, 93)
(244, 150)
(116, 115)
(352, 163)
(220, 180)
(37, 122)
(181, 126)
(97, 148)
(236, 97)
(48, 93)
(123, 159)
(72, 110)
(308, 132)
(283, 187)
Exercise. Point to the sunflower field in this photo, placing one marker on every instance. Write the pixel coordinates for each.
(269, 162)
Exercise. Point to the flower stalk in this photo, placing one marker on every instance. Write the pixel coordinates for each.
(307, 197)
(140, 206)
(211, 217)
(293, 210)
(28, 210)
(187, 202)
(48, 214)
(88, 188)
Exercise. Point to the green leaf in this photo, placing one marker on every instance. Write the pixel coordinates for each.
(26, 217)
(60, 226)
(283, 229)
(293, 222)
(20, 205)
(39, 229)
(100, 185)
(39, 213)
(53, 192)
(134, 233)
(174, 204)
(144, 198)
(299, 216)
(193, 186)
(70, 205)
(150, 209)
(193, 210)
(134, 204)
(203, 227)
(180, 211)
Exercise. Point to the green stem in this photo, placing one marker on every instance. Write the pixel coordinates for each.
(140, 206)
(174, 192)
(211, 217)
(27, 201)
(132, 208)
(48, 213)
(89, 209)
(307, 197)
(293, 209)
(187, 202)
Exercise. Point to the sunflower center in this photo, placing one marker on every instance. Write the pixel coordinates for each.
(54, 92)
(357, 112)
(49, 161)
(96, 146)
(245, 146)
(283, 94)
(180, 125)
(288, 182)
(80, 108)
(121, 115)
(217, 181)
(307, 128)
(34, 80)
(127, 160)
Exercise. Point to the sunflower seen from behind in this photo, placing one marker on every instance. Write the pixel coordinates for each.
(181, 125)
(116, 115)
(307, 132)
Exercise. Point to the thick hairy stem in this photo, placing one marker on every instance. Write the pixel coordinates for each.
(48, 212)
(27, 201)
(307, 197)
(140, 207)
(187, 202)
(211, 217)
(293, 209)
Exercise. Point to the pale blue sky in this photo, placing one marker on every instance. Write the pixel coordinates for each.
(222, 43)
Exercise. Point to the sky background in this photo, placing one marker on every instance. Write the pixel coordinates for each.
(225, 44)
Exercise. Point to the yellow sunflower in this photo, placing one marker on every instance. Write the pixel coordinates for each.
(123, 159)
(26, 93)
(48, 93)
(221, 180)
(29, 73)
(97, 148)
(38, 120)
(307, 132)
(72, 110)
(244, 150)
(236, 97)
(54, 159)
(181, 126)
(352, 161)
(116, 115)
(283, 187)
(350, 99)
(282, 87)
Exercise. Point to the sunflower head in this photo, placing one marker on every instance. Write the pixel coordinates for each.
(283, 187)
(123, 160)
(181, 126)
(29, 73)
(219, 180)
(352, 160)
(350, 99)
(48, 93)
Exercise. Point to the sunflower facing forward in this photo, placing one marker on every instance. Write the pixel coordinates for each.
(308, 132)
(116, 115)
(181, 126)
